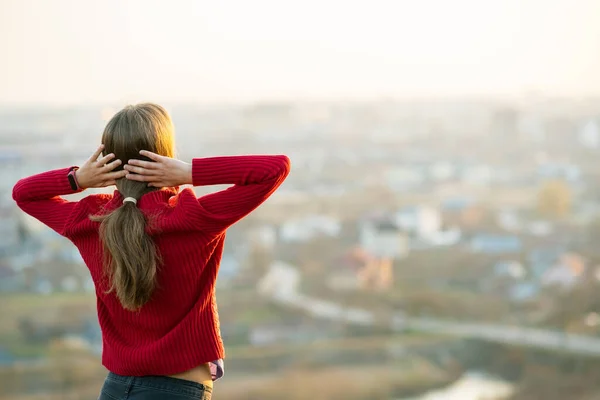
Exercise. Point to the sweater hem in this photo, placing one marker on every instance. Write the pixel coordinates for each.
(163, 370)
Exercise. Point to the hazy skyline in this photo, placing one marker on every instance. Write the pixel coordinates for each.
(74, 52)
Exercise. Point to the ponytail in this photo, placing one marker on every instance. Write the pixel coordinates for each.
(130, 256)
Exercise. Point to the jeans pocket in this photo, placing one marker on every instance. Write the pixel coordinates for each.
(112, 390)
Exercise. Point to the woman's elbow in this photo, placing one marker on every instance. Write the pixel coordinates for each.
(286, 165)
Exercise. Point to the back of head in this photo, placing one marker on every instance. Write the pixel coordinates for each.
(131, 257)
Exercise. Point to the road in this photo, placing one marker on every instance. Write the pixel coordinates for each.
(282, 284)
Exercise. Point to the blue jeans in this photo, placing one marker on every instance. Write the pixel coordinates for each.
(118, 387)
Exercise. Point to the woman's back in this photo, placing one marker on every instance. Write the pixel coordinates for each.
(182, 303)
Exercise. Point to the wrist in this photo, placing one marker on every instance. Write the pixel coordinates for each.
(82, 185)
(188, 180)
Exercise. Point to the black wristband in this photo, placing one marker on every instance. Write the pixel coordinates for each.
(72, 180)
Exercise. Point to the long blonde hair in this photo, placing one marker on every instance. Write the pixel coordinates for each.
(131, 259)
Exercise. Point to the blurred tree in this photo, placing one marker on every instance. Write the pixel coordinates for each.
(554, 199)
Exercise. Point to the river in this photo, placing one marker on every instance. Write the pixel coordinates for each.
(472, 386)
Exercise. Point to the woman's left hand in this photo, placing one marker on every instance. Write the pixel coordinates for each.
(97, 173)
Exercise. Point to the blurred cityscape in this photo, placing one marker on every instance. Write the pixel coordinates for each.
(418, 250)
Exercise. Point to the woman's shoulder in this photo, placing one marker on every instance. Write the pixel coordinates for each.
(95, 201)
(184, 197)
(185, 201)
(92, 204)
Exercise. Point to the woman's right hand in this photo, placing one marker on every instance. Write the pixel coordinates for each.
(160, 172)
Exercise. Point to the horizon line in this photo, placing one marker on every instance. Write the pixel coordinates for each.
(309, 100)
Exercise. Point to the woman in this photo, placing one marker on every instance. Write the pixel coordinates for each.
(153, 251)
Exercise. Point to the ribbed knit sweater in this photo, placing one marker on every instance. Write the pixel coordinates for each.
(178, 329)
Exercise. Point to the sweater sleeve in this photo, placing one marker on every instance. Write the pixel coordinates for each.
(254, 179)
(39, 196)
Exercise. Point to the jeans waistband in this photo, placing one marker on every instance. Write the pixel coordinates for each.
(157, 381)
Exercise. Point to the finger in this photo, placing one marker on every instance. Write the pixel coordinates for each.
(139, 170)
(106, 159)
(116, 175)
(150, 155)
(97, 153)
(110, 166)
(109, 183)
(144, 164)
(140, 178)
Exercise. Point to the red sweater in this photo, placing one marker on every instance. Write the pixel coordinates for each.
(178, 328)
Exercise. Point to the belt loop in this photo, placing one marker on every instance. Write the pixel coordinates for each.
(129, 385)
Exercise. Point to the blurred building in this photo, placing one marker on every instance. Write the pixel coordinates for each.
(419, 221)
(384, 239)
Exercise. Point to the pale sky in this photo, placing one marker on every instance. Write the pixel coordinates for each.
(80, 51)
